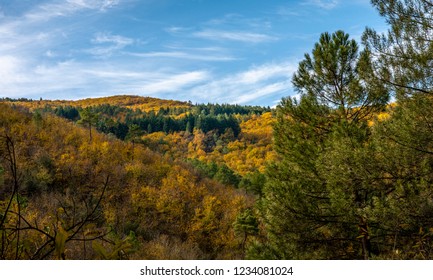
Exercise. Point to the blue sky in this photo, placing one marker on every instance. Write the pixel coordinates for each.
(226, 51)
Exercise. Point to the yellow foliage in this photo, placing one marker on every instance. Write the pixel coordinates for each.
(147, 193)
(146, 104)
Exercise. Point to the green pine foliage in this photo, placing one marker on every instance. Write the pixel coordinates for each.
(352, 182)
(403, 55)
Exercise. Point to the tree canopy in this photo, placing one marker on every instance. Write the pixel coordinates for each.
(344, 187)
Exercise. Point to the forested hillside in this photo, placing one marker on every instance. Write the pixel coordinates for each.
(68, 195)
(230, 143)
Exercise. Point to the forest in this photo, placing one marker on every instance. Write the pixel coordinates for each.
(344, 170)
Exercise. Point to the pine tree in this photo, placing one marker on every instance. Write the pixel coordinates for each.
(246, 224)
(403, 59)
(134, 132)
(404, 55)
(404, 172)
(310, 209)
(88, 118)
(334, 76)
(188, 128)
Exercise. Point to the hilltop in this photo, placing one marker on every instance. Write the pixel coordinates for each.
(145, 104)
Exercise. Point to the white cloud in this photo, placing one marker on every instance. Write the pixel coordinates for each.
(249, 30)
(33, 29)
(263, 91)
(288, 11)
(70, 79)
(176, 29)
(240, 36)
(94, 4)
(185, 55)
(115, 39)
(21, 79)
(35, 63)
(249, 86)
(107, 44)
(175, 82)
(323, 4)
(50, 54)
(46, 12)
(10, 71)
(265, 72)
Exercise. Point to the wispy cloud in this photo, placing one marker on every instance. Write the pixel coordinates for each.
(288, 11)
(101, 5)
(35, 28)
(48, 11)
(96, 79)
(107, 44)
(248, 86)
(49, 51)
(240, 36)
(185, 55)
(177, 29)
(120, 41)
(323, 4)
(265, 72)
(233, 19)
(175, 83)
(264, 91)
(20, 78)
(248, 30)
(9, 72)
(71, 78)
(31, 63)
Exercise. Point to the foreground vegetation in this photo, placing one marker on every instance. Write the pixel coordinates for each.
(354, 176)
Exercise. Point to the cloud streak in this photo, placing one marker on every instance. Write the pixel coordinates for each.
(107, 44)
(174, 83)
(71, 78)
(248, 87)
(239, 36)
(184, 55)
(46, 12)
(323, 4)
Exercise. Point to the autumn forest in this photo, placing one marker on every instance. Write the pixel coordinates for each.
(341, 171)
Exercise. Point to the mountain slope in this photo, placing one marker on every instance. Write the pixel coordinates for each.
(64, 195)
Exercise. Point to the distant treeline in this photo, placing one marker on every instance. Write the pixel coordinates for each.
(117, 120)
(8, 99)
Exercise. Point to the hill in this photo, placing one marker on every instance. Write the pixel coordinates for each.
(64, 194)
(223, 141)
(133, 102)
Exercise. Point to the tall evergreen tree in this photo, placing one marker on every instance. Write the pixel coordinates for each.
(134, 132)
(403, 57)
(88, 118)
(334, 75)
(404, 171)
(308, 211)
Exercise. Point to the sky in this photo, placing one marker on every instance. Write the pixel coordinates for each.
(204, 51)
